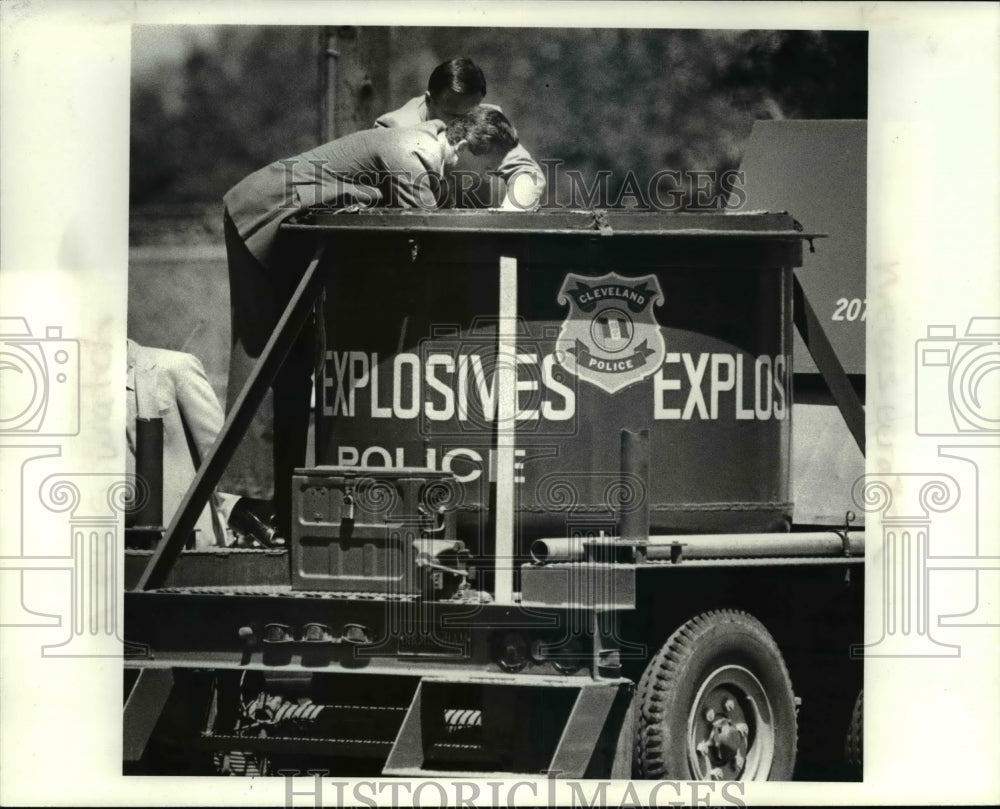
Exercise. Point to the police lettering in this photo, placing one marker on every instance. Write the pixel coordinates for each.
(464, 463)
(610, 366)
(710, 386)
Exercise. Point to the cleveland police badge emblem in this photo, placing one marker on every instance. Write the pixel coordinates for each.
(610, 337)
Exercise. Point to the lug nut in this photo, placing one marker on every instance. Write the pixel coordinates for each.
(702, 748)
(710, 715)
(742, 728)
(716, 774)
(730, 705)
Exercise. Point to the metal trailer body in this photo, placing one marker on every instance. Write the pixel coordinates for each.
(461, 617)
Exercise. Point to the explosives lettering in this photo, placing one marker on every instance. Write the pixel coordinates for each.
(730, 386)
(441, 387)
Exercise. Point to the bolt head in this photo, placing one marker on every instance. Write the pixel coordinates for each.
(710, 715)
(730, 705)
(716, 774)
(702, 748)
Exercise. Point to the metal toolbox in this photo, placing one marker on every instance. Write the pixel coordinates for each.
(363, 529)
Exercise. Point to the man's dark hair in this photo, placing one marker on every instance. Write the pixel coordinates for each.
(486, 130)
(460, 75)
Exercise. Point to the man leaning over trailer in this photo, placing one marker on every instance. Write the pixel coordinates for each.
(454, 88)
(386, 167)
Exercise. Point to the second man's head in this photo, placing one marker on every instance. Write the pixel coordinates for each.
(454, 88)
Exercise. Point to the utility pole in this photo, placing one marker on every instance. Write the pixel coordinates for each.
(354, 78)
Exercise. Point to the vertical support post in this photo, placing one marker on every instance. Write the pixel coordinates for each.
(633, 498)
(354, 78)
(327, 83)
(506, 382)
(327, 66)
(149, 469)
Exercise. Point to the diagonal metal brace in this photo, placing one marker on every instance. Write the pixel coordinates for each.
(237, 422)
(813, 335)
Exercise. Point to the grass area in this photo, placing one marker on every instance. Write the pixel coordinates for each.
(179, 299)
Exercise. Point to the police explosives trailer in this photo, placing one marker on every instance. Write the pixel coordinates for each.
(550, 527)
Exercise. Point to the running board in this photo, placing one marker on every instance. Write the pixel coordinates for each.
(568, 728)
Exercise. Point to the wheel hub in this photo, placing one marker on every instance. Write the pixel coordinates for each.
(725, 748)
(730, 730)
(727, 741)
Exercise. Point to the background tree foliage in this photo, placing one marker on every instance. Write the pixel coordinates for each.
(611, 99)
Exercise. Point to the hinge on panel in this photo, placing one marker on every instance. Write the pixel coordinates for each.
(845, 538)
(602, 224)
(849, 517)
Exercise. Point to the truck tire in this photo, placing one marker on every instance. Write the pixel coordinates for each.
(854, 747)
(716, 703)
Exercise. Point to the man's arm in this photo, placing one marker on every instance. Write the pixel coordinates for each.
(416, 187)
(522, 176)
(524, 179)
(198, 404)
(414, 158)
